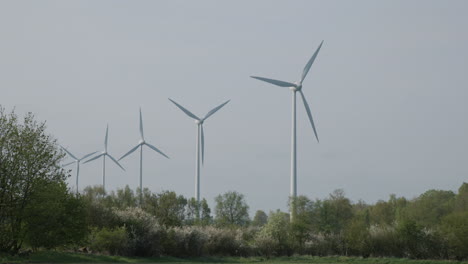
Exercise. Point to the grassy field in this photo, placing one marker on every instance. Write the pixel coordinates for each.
(63, 257)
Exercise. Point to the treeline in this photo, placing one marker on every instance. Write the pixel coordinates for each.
(433, 225)
(38, 210)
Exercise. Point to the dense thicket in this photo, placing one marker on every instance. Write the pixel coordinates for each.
(37, 210)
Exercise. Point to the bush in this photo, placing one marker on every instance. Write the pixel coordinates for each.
(111, 241)
(144, 232)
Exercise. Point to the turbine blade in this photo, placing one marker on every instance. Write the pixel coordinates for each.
(309, 114)
(275, 82)
(141, 126)
(69, 163)
(214, 110)
(187, 112)
(130, 152)
(105, 140)
(155, 149)
(87, 155)
(310, 62)
(96, 157)
(68, 152)
(115, 161)
(202, 145)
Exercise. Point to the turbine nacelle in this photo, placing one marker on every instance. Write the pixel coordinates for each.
(199, 122)
(297, 87)
(141, 142)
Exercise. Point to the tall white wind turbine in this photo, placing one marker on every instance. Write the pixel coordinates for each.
(103, 154)
(140, 145)
(200, 137)
(295, 87)
(77, 161)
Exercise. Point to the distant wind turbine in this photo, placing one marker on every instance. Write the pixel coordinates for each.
(140, 145)
(103, 154)
(77, 161)
(295, 87)
(200, 136)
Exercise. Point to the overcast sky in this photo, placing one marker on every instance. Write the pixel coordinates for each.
(388, 91)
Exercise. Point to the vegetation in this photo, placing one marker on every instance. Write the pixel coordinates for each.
(38, 212)
(35, 205)
(69, 257)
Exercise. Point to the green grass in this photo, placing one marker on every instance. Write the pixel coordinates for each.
(65, 257)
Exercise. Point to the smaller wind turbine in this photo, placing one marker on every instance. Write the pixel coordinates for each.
(103, 154)
(140, 145)
(200, 136)
(77, 161)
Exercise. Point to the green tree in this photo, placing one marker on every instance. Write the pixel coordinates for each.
(124, 198)
(170, 208)
(192, 212)
(333, 214)
(461, 200)
(357, 236)
(231, 209)
(301, 226)
(430, 207)
(29, 160)
(455, 228)
(55, 217)
(273, 238)
(260, 218)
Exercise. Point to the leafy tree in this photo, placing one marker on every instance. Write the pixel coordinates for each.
(29, 162)
(411, 235)
(124, 198)
(429, 208)
(274, 236)
(382, 213)
(455, 227)
(461, 200)
(192, 212)
(357, 236)
(55, 217)
(170, 208)
(98, 207)
(231, 209)
(302, 220)
(334, 213)
(260, 218)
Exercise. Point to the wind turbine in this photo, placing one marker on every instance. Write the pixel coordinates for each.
(295, 87)
(200, 136)
(77, 161)
(103, 154)
(140, 145)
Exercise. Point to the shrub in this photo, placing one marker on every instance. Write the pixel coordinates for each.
(111, 241)
(143, 230)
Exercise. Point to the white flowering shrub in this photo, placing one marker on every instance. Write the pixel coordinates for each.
(145, 234)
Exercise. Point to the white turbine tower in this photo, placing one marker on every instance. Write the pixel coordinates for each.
(200, 137)
(77, 161)
(295, 87)
(140, 145)
(103, 154)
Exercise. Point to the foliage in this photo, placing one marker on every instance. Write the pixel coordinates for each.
(29, 164)
(111, 241)
(231, 209)
(193, 209)
(54, 217)
(455, 226)
(273, 238)
(260, 218)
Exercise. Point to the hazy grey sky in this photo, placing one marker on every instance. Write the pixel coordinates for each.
(388, 91)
